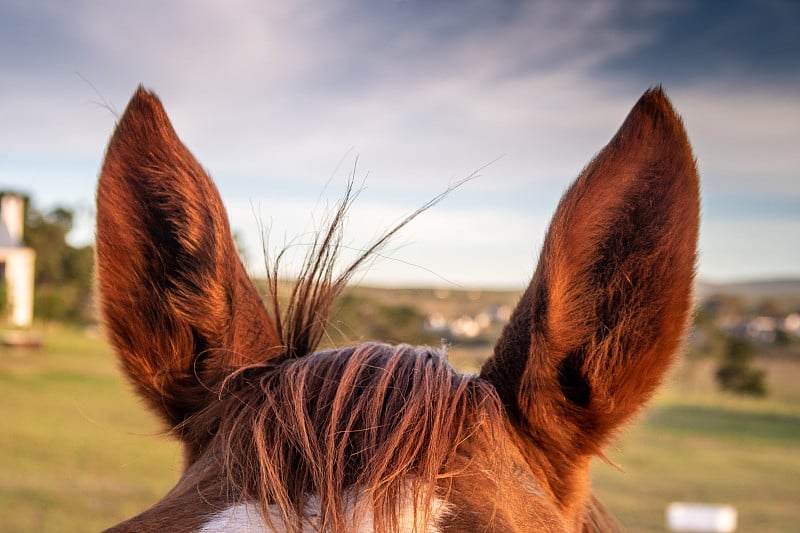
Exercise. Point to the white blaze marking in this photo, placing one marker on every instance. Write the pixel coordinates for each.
(246, 518)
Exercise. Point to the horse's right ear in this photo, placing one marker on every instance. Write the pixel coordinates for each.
(175, 299)
(609, 303)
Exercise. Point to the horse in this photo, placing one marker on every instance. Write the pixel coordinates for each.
(280, 435)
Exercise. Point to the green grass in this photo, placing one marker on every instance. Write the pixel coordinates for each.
(723, 453)
(78, 452)
(697, 445)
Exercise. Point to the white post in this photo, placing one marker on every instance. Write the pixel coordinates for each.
(701, 518)
(19, 283)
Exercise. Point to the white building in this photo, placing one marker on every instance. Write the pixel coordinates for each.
(16, 261)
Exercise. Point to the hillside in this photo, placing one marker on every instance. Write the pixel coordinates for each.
(782, 292)
(754, 289)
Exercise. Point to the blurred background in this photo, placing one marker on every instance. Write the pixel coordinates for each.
(284, 102)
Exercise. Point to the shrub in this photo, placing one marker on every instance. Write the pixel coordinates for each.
(735, 373)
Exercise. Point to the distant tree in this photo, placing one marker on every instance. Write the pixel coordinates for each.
(782, 337)
(704, 316)
(63, 273)
(360, 317)
(736, 374)
(769, 307)
(718, 305)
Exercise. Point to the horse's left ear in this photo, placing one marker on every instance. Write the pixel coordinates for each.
(609, 303)
(176, 301)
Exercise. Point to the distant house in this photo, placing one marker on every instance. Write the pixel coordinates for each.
(16, 261)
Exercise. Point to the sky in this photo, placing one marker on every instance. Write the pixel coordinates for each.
(282, 101)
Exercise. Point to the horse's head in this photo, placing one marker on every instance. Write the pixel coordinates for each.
(379, 437)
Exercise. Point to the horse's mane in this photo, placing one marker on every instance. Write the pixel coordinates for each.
(362, 428)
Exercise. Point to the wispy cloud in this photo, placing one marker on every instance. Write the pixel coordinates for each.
(272, 95)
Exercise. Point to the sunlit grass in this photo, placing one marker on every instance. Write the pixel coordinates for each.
(695, 444)
(77, 451)
(711, 454)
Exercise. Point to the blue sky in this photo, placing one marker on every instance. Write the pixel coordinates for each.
(278, 100)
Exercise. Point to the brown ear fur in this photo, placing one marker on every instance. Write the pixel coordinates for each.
(608, 305)
(175, 299)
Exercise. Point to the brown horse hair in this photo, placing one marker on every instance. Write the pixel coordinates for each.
(301, 325)
(374, 423)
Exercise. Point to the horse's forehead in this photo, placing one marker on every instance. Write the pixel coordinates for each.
(456, 516)
(247, 518)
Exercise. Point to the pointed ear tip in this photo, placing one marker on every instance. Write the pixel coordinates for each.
(656, 91)
(143, 124)
(143, 120)
(143, 93)
(144, 102)
(655, 102)
(654, 119)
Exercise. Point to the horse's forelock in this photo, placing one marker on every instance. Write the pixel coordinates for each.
(385, 419)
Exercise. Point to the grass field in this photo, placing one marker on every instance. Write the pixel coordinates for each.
(78, 452)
